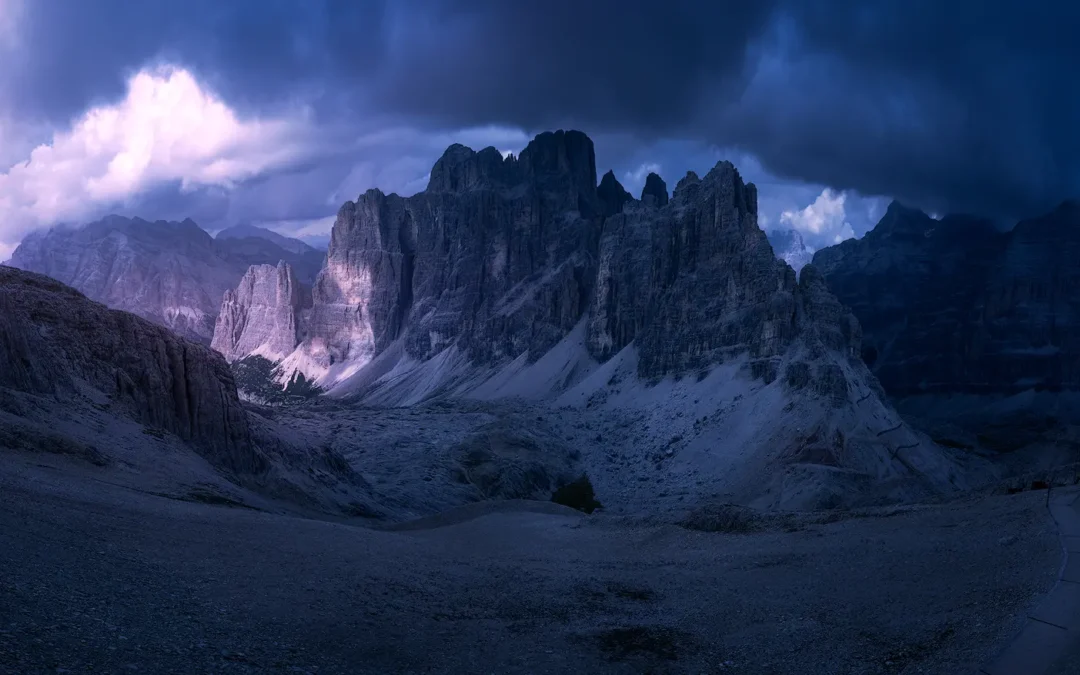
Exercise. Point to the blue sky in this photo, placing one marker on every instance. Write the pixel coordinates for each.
(274, 112)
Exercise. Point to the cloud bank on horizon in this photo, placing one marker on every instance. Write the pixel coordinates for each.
(276, 111)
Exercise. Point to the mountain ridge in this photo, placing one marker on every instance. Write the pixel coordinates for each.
(964, 323)
(523, 278)
(172, 273)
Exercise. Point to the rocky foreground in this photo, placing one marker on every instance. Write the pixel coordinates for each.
(98, 578)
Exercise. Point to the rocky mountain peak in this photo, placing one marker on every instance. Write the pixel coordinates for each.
(900, 218)
(788, 245)
(245, 231)
(261, 316)
(655, 191)
(491, 275)
(563, 163)
(1062, 222)
(612, 195)
(685, 184)
(172, 273)
(956, 306)
(462, 169)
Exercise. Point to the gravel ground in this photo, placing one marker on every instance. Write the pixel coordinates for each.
(102, 579)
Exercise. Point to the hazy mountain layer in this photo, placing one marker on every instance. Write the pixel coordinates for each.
(174, 274)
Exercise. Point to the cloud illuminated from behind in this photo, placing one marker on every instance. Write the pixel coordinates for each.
(168, 128)
(826, 218)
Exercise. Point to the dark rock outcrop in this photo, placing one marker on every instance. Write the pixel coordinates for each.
(173, 274)
(612, 195)
(655, 191)
(56, 342)
(686, 184)
(695, 284)
(957, 307)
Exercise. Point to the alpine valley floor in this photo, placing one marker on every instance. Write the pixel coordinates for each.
(97, 577)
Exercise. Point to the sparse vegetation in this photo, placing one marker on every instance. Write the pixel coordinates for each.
(256, 380)
(578, 494)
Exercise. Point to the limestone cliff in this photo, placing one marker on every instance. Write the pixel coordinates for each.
(261, 316)
(56, 342)
(522, 278)
(501, 258)
(788, 245)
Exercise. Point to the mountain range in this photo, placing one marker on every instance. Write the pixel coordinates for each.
(172, 273)
(526, 278)
(970, 329)
(666, 320)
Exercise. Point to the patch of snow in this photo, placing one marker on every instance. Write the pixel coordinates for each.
(190, 313)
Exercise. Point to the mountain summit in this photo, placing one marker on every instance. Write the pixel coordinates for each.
(521, 278)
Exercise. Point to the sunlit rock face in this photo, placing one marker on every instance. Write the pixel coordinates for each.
(261, 316)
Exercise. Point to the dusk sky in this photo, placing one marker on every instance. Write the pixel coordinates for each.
(274, 112)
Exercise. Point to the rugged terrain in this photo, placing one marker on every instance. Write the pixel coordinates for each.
(112, 390)
(790, 247)
(970, 329)
(464, 355)
(290, 244)
(666, 320)
(173, 274)
(98, 578)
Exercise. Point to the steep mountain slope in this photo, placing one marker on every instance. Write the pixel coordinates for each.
(171, 273)
(262, 316)
(149, 408)
(672, 321)
(964, 322)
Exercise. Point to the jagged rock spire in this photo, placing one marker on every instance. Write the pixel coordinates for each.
(612, 195)
(655, 191)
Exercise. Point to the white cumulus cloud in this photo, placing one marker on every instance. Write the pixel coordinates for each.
(167, 129)
(825, 219)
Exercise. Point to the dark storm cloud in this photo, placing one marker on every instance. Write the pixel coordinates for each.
(955, 105)
(74, 53)
(952, 105)
(610, 64)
